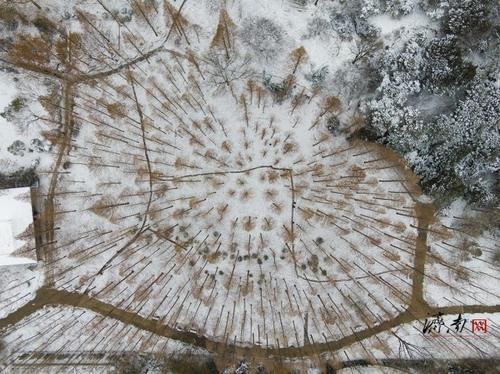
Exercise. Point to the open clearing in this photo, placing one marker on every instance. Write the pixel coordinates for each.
(188, 203)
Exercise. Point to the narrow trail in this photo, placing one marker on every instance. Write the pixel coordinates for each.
(43, 70)
(84, 77)
(150, 186)
(51, 297)
(69, 81)
(119, 68)
(49, 206)
(425, 216)
(418, 309)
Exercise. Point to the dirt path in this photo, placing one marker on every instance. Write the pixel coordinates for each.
(418, 309)
(150, 187)
(48, 204)
(69, 81)
(49, 296)
(425, 214)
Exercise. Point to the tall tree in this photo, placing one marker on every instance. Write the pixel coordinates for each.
(224, 35)
(298, 56)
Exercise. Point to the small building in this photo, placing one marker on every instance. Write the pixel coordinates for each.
(17, 239)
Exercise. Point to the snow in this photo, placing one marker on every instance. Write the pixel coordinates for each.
(198, 290)
(21, 126)
(18, 285)
(6, 237)
(9, 260)
(388, 24)
(408, 342)
(313, 371)
(8, 92)
(15, 218)
(72, 332)
(226, 284)
(460, 262)
(166, 272)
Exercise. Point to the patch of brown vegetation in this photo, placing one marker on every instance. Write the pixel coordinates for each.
(248, 223)
(30, 50)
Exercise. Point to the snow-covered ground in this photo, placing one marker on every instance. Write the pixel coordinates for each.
(18, 285)
(69, 331)
(21, 143)
(461, 266)
(213, 185)
(408, 342)
(255, 205)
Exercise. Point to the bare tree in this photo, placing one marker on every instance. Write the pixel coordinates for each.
(364, 48)
(410, 351)
(222, 71)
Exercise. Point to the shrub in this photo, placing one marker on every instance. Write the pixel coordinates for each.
(16, 105)
(280, 90)
(29, 50)
(496, 257)
(21, 178)
(317, 77)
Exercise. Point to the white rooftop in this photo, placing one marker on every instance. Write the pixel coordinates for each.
(16, 225)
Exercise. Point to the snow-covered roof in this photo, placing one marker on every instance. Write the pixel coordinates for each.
(16, 226)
